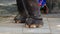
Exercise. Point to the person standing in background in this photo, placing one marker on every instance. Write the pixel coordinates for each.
(43, 6)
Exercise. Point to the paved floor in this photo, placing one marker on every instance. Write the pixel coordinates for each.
(51, 26)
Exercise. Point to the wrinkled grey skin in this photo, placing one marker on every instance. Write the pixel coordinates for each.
(32, 9)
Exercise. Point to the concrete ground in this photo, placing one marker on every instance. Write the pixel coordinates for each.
(51, 26)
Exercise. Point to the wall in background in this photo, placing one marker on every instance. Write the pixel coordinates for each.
(54, 6)
(8, 7)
